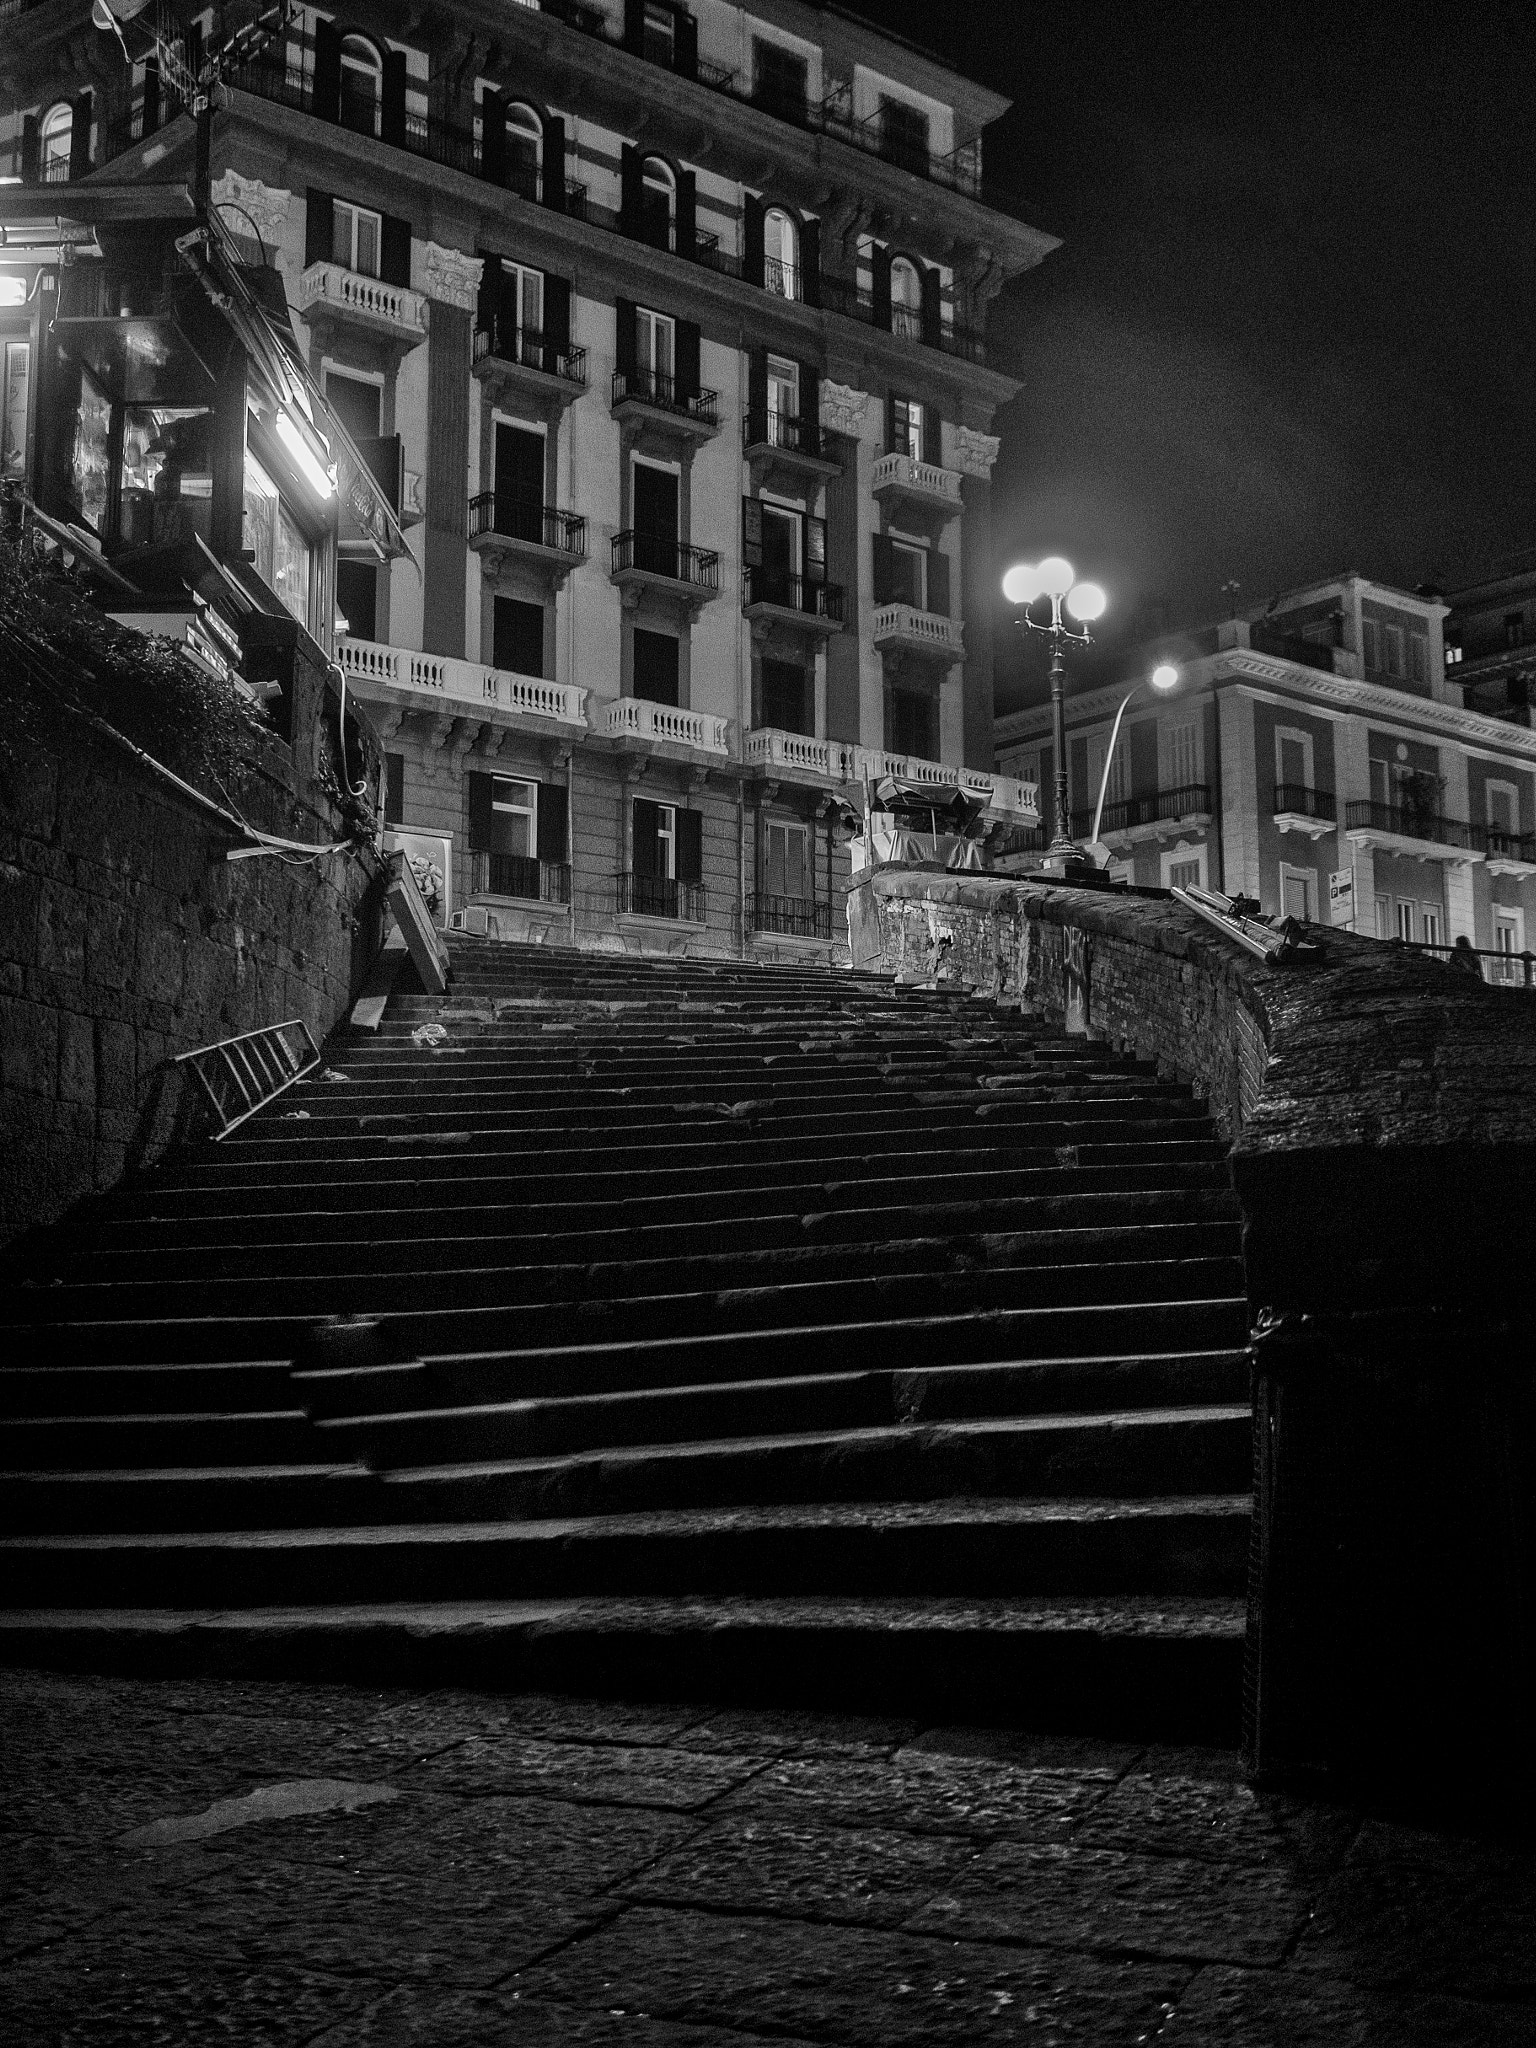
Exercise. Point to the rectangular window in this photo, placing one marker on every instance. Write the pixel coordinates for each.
(279, 550)
(1514, 629)
(357, 597)
(1298, 893)
(1502, 800)
(1184, 874)
(1383, 917)
(1183, 761)
(1429, 920)
(783, 396)
(907, 428)
(1452, 653)
(514, 817)
(1370, 638)
(1183, 867)
(1392, 650)
(785, 697)
(655, 667)
(1118, 786)
(394, 789)
(1509, 943)
(655, 349)
(1382, 789)
(517, 636)
(522, 297)
(909, 574)
(904, 134)
(780, 79)
(659, 36)
(357, 403)
(912, 722)
(88, 475)
(1418, 658)
(666, 841)
(13, 425)
(1404, 919)
(786, 859)
(357, 237)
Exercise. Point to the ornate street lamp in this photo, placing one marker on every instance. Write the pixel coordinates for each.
(1056, 579)
(1164, 677)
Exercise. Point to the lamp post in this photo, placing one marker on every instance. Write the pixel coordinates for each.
(1164, 677)
(1055, 578)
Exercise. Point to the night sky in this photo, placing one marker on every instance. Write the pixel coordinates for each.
(1290, 331)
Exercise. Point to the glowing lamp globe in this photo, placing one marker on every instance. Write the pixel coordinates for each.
(1056, 576)
(1022, 583)
(1086, 601)
(1164, 676)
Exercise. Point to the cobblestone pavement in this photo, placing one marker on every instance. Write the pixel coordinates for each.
(230, 1861)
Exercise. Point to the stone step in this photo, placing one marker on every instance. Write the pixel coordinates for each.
(488, 1473)
(958, 1548)
(1134, 1669)
(51, 1443)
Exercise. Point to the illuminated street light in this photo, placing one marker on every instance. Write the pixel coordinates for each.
(1164, 677)
(1056, 579)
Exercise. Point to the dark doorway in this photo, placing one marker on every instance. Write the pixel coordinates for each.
(519, 482)
(357, 598)
(655, 520)
(785, 693)
(655, 666)
(517, 636)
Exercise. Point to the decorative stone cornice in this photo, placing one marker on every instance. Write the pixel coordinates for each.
(265, 207)
(842, 408)
(975, 452)
(447, 274)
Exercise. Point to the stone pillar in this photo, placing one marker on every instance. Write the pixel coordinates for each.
(451, 281)
(1239, 795)
(842, 415)
(974, 455)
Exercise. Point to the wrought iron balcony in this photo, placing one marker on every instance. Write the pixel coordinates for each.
(659, 896)
(770, 590)
(1401, 821)
(495, 516)
(1300, 801)
(652, 555)
(663, 394)
(797, 917)
(516, 874)
(521, 348)
(784, 431)
(1158, 807)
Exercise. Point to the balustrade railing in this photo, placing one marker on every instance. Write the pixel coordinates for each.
(639, 718)
(931, 478)
(472, 684)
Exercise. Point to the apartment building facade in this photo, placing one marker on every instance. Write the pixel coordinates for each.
(663, 328)
(1319, 756)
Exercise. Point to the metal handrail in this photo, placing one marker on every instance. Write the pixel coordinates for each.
(258, 1064)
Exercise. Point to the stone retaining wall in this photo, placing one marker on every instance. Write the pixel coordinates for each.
(126, 938)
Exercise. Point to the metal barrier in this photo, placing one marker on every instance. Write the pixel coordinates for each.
(243, 1074)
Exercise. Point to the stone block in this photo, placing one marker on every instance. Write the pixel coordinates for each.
(29, 1048)
(20, 889)
(77, 1058)
(116, 1063)
(161, 960)
(109, 942)
(29, 786)
(61, 919)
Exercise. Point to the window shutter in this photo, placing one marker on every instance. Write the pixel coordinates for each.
(554, 163)
(646, 850)
(629, 189)
(933, 434)
(493, 137)
(552, 818)
(885, 572)
(325, 96)
(488, 300)
(881, 262)
(479, 787)
(752, 532)
(810, 409)
(394, 789)
(557, 313)
(634, 25)
(687, 214)
(624, 351)
(319, 227)
(815, 550)
(890, 423)
(685, 45)
(392, 111)
(29, 149)
(932, 321)
(938, 583)
(687, 359)
(80, 136)
(151, 117)
(690, 846)
(810, 260)
(395, 251)
(752, 240)
(757, 395)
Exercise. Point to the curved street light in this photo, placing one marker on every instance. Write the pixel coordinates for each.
(1056, 579)
(1164, 677)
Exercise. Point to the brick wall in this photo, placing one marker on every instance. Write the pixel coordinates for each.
(126, 938)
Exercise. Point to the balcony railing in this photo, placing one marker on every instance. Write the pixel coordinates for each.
(638, 718)
(543, 526)
(839, 761)
(517, 874)
(1411, 823)
(1158, 807)
(793, 594)
(904, 625)
(784, 280)
(368, 298)
(856, 302)
(443, 678)
(796, 917)
(905, 473)
(530, 351)
(654, 555)
(651, 387)
(786, 430)
(1301, 802)
(659, 896)
(1500, 844)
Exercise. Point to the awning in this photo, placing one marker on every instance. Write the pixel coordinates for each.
(904, 798)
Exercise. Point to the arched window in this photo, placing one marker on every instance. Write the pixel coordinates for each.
(906, 300)
(658, 203)
(525, 150)
(362, 80)
(54, 142)
(781, 253)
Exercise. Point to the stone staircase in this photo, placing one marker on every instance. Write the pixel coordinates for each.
(659, 1327)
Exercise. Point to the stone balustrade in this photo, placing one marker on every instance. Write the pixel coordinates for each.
(638, 718)
(440, 677)
(391, 306)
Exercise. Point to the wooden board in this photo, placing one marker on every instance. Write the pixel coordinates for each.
(423, 941)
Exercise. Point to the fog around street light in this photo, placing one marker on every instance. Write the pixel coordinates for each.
(1165, 676)
(1021, 585)
(1056, 575)
(1086, 601)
